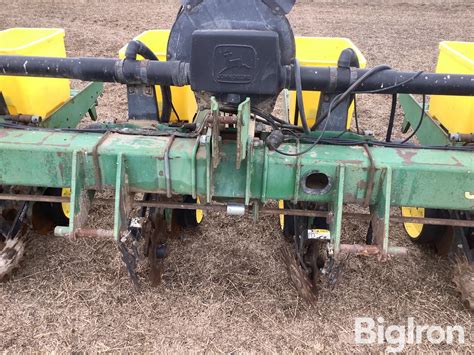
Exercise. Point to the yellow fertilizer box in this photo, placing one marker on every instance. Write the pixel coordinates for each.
(33, 96)
(456, 113)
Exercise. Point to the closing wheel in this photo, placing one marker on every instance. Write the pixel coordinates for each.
(66, 206)
(47, 215)
(189, 218)
(420, 233)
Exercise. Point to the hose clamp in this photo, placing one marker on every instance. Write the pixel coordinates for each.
(332, 79)
(119, 76)
(143, 71)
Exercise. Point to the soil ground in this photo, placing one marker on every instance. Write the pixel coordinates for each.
(225, 288)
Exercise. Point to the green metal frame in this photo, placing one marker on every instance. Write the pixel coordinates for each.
(431, 132)
(244, 170)
(62, 159)
(73, 111)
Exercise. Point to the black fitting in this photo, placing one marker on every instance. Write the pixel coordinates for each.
(275, 139)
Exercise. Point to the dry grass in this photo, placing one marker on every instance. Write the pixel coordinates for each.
(225, 289)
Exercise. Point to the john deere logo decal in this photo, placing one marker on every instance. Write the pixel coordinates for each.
(234, 64)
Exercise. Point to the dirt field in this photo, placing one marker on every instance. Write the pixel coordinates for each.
(225, 289)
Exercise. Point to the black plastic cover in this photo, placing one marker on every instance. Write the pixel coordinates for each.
(235, 61)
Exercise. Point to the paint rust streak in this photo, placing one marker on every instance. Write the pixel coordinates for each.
(353, 162)
(183, 145)
(41, 142)
(61, 169)
(33, 143)
(407, 156)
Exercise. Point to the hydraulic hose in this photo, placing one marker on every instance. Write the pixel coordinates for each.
(175, 73)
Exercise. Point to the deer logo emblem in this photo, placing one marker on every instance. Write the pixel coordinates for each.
(233, 63)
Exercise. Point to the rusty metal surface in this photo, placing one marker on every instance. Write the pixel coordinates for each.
(263, 211)
(23, 118)
(367, 250)
(167, 165)
(91, 232)
(231, 120)
(95, 157)
(294, 212)
(371, 182)
(33, 198)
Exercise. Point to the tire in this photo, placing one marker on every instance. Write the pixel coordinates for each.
(287, 223)
(188, 218)
(421, 233)
(54, 212)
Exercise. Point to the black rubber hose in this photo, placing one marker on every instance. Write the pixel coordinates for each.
(299, 97)
(135, 48)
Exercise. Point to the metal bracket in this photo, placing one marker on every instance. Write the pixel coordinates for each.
(430, 132)
(371, 182)
(336, 207)
(209, 170)
(381, 212)
(142, 103)
(81, 199)
(245, 131)
(338, 120)
(248, 176)
(92, 113)
(215, 133)
(72, 111)
(380, 217)
(122, 199)
(167, 165)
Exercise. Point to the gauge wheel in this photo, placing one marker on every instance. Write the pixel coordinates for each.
(189, 218)
(287, 223)
(422, 233)
(47, 215)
